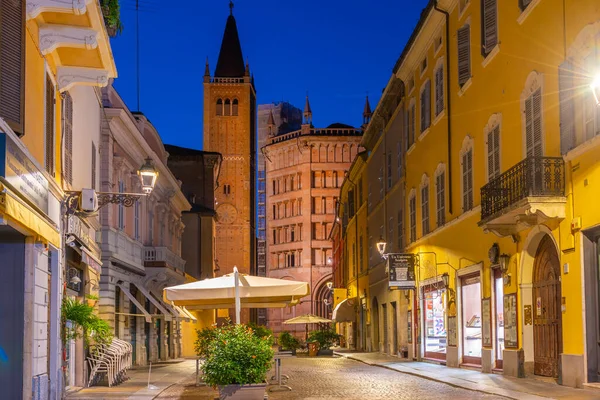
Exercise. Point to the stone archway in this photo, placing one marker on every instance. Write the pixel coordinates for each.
(547, 320)
(526, 285)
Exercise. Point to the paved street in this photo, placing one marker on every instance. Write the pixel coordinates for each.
(340, 378)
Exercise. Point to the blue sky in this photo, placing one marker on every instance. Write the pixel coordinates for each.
(336, 50)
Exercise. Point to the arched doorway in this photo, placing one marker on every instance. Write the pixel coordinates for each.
(375, 323)
(547, 321)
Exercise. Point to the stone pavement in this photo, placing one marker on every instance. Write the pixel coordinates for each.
(162, 377)
(336, 378)
(514, 388)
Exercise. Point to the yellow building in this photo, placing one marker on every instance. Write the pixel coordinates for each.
(493, 134)
(49, 50)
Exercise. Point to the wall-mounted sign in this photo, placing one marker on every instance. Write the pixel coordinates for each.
(486, 323)
(402, 270)
(22, 174)
(452, 334)
(511, 340)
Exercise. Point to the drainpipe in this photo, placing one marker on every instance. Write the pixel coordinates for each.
(448, 105)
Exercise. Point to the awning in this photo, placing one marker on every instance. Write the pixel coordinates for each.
(134, 301)
(192, 317)
(168, 315)
(87, 257)
(23, 214)
(344, 311)
(176, 312)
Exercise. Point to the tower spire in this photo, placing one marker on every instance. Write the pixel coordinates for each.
(367, 114)
(230, 63)
(307, 112)
(271, 123)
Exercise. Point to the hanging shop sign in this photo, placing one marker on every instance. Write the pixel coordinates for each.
(22, 173)
(402, 270)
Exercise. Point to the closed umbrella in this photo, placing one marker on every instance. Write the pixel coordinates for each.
(237, 290)
(307, 319)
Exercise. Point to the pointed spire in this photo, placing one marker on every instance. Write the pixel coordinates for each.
(307, 111)
(206, 68)
(230, 63)
(367, 112)
(247, 70)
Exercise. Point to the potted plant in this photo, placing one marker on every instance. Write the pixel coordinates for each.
(112, 17)
(288, 342)
(325, 338)
(84, 323)
(237, 362)
(313, 347)
(91, 299)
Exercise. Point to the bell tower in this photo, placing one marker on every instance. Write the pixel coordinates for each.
(230, 129)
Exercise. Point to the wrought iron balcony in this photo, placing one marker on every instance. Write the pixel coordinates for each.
(529, 193)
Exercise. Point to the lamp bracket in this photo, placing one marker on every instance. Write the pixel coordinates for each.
(104, 198)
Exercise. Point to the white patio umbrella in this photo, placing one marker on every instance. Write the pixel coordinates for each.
(307, 319)
(237, 290)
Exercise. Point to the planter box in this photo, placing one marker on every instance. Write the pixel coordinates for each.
(313, 349)
(243, 392)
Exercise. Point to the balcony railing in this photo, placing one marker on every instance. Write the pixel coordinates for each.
(532, 177)
(163, 254)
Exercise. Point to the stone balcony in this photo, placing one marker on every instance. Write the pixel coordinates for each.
(530, 193)
(162, 257)
(119, 248)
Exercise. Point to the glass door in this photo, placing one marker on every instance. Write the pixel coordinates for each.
(435, 323)
(471, 319)
(499, 309)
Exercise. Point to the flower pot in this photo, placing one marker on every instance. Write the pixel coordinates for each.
(313, 349)
(243, 392)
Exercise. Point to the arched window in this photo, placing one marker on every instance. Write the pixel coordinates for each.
(234, 108)
(227, 107)
(219, 107)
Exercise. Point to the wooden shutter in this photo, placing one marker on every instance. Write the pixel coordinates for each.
(441, 198)
(423, 112)
(427, 104)
(493, 149)
(467, 169)
(464, 54)
(567, 109)
(413, 116)
(12, 63)
(49, 145)
(533, 124)
(406, 125)
(68, 137)
(489, 30)
(439, 90)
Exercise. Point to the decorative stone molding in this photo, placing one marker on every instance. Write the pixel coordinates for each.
(68, 77)
(585, 42)
(54, 36)
(36, 7)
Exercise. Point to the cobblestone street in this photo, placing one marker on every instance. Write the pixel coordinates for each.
(340, 378)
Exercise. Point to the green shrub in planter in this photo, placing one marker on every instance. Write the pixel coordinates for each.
(326, 337)
(236, 356)
(287, 341)
(262, 331)
(203, 339)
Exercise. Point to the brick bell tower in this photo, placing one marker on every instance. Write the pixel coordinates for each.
(230, 129)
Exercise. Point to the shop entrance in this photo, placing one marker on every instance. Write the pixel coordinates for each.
(470, 292)
(547, 321)
(435, 322)
(499, 313)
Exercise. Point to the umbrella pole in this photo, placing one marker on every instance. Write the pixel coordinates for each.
(236, 279)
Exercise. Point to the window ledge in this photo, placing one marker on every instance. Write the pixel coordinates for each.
(525, 13)
(464, 87)
(423, 134)
(410, 149)
(491, 55)
(439, 117)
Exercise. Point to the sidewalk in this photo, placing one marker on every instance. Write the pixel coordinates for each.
(514, 388)
(162, 377)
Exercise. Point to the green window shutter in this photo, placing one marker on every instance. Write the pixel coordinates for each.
(12, 64)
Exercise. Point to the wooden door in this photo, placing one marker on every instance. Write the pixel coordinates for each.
(547, 321)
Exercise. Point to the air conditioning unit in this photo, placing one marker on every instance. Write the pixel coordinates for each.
(88, 201)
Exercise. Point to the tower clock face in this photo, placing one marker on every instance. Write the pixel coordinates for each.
(226, 213)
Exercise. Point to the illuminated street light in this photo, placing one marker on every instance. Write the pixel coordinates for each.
(148, 175)
(381, 244)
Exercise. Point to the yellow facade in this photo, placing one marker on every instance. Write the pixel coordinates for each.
(494, 100)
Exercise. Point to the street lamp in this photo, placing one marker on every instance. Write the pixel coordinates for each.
(87, 202)
(148, 175)
(381, 244)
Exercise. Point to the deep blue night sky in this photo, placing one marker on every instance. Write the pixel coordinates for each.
(337, 50)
